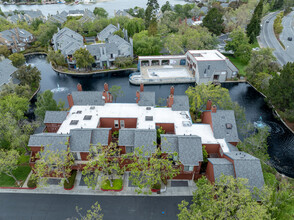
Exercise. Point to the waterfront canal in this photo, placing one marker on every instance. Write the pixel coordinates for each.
(281, 140)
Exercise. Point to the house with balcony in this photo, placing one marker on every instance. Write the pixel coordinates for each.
(16, 39)
(93, 118)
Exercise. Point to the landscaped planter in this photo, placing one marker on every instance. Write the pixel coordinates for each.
(155, 190)
(69, 188)
(114, 190)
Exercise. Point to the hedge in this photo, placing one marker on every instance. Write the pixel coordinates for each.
(71, 180)
(32, 183)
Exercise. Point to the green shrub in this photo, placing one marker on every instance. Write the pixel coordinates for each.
(269, 179)
(32, 183)
(117, 184)
(156, 186)
(71, 180)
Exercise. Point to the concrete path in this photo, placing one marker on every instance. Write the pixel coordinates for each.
(127, 190)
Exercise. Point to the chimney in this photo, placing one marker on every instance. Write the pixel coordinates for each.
(79, 87)
(70, 100)
(172, 90)
(170, 101)
(138, 96)
(106, 87)
(208, 104)
(141, 87)
(213, 109)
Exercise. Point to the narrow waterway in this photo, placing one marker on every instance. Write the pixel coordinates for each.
(109, 5)
(281, 140)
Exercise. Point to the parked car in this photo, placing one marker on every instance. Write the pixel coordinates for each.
(289, 38)
(267, 21)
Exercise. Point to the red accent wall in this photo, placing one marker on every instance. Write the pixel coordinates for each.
(209, 172)
(212, 148)
(35, 149)
(168, 127)
(234, 143)
(109, 123)
(52, 127)
(84, 155)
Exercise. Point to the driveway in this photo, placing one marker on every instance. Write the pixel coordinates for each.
(39, 206)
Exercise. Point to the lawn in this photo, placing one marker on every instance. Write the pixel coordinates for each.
(117, 184)
(20, 173)
(239, 64)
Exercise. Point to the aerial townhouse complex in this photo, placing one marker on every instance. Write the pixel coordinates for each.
(93, 118)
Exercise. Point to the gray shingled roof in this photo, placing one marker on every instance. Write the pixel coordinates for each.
(232, 147)
(190, 150)
(208, 68)
(146, 138)
(53, 140)
(55, 116)
(147, 99)
(181, 103)
(221, 166)
(7, 34)
(169, 143)
(80, 140)
(249, 167)
(106, 32)
(100, 136)
(126, 137)
(6, 71)
(87, 98)
(219, 121)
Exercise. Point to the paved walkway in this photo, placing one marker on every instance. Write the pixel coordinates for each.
(127, 190)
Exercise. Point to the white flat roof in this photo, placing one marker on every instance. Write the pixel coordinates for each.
(223, 145)
(206, 55)
(181, 119)
(162, 57)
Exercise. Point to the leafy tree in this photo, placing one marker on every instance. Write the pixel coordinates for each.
(9, 162)
(278, 27)
(261, 61)
(74, 25)
(146, 45)
(150, 12)
(166, 7)
(152, 29)
(54, 163)
(256, 144)
(56, 58)
(280, 91)
(253, 28)
(4, 51)
(137, 12)
(83, 58)
(15, 105)
(116, 92)
(22, 91)
(36, 23)
(214, 21)
(119, 33)
(198, 38)
(45, 32)
(168, 23)
(100, 12)
(244, 52)
(134, 26)
(147, 170)
(238, 37)
(93, 213)
(1, 13)
(228, 198)
(123, 62)
(17, 59)
(45, 102)
(183, 11)
(5, 25)
(29, 75)
(104, 162)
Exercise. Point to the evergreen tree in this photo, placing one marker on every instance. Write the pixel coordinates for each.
(150, 13)
(214, 21)
(253, 28)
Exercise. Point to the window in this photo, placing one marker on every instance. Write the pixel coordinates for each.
(79, 112)
(122, 123)
(229, 125)
(116, 125)
(87, 117)
(74, 122)
(129, 149)
(111, 55)
(148, 118)
(188, 168)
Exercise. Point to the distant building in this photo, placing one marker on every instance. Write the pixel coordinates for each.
(58, 18)
(16, 39)
(24, 15)
(6, 72)
(123, 13)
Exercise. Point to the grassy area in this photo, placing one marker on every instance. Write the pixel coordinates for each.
(20, 173)
(117, 184)
(239, 64)
(24, 159)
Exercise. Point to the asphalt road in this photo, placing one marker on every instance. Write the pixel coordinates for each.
(268, 38)
(288, 31)
(54, 207)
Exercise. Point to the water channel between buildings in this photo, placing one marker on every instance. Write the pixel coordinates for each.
(281, 140)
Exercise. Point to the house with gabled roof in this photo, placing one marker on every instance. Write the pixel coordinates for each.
(6, 72)
(93, 120)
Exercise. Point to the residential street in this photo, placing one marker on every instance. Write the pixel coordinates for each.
(267, 37)
(39, 206)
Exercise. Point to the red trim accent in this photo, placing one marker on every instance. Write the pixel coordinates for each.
(114, 190)
(70, 188)
(16, 188)
(155, 190)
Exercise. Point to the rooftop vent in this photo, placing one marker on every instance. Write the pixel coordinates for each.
(79, 112)
(148, 118)
(229, 125)
(187, 123)
(92, 107)
(87, 117)
(148, 108)
(74, 122)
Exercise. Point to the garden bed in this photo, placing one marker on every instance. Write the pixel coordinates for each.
(71, 181)
(117, 185)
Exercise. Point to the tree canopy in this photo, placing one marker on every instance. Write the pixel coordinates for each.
(29, 75)
(253, 28)
(9, 162)
(146, 45)
(214, 21)
(17, 59)
(100, 12)
(83, 58)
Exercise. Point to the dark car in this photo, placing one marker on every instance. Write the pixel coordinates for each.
(267, 21)
(289, 38)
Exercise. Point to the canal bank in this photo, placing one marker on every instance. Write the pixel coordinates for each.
(281, 140)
